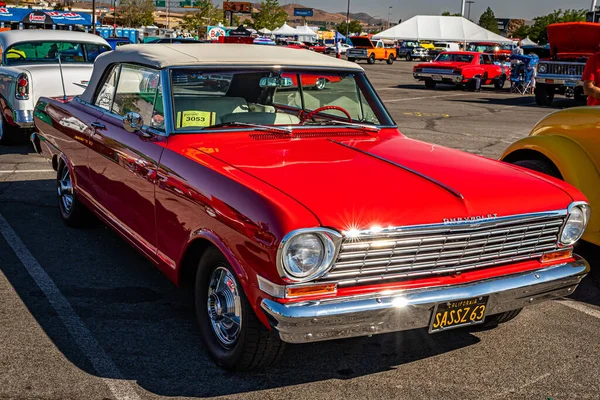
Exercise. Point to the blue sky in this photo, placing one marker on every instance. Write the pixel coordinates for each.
(526, 9)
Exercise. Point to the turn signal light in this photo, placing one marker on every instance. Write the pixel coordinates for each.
(557, 255)
(312, 290)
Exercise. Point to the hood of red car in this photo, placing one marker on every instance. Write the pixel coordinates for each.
(574, 38)
(393, 181)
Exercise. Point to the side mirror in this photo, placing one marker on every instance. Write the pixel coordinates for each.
(132, 122)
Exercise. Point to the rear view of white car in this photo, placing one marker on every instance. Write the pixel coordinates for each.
(39, 63)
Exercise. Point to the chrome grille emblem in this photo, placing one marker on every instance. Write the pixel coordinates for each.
(476, 218)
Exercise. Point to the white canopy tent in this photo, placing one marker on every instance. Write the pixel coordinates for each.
(528, 42)
(441, 28)
(285, 30)
(264, 31)
(305, 34)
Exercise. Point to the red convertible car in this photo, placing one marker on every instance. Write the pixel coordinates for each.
(462, 68)
(301, 215)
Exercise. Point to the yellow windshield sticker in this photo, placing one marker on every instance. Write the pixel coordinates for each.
(190, 118)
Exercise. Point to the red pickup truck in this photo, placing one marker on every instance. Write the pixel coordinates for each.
(462, 68)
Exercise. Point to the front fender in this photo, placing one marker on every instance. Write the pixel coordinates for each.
(574, 164)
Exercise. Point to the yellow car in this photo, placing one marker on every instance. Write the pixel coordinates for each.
(426, 45)
(566, 145)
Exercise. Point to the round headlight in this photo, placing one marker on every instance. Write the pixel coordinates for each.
(542, 68)
(307, 254)
(577, 221)
(304, 254)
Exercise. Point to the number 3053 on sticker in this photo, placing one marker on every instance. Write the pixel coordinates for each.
(187, 119)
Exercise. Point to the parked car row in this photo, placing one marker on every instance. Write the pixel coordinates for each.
(152, 148)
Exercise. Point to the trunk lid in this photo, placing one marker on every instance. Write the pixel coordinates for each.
(46, 79)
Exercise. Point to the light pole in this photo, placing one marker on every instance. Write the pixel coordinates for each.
(462, 8)
(389, 13)
(347, 21)
(93, 17)
(469, 2)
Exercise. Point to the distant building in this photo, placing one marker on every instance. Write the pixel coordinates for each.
(507, 26)
(593, 16)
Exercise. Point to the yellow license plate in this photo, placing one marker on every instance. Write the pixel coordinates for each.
(454, 314)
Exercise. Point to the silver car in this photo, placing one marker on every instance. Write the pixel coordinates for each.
(39, 63)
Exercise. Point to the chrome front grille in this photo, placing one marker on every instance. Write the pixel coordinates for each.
(405, 252)
(571, 69)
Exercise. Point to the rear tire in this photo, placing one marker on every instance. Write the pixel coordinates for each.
(429, 84)
(371, 59)
(408, 57)
(543, 166)
(497, 319)
(235, 347)
(472, 85)
(72, 211)
(8, 133)
(390, 59)
(544, 95)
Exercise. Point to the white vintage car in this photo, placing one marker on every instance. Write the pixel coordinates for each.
(31, 66)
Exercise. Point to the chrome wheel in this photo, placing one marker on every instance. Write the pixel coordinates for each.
(65, 191)
(224, 306)
(321, 83)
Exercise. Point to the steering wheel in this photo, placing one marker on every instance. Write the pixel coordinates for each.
(304, 118)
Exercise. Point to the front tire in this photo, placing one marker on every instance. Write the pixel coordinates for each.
(499, 83)
(371, 59)
(72, 211)
(231, 333)
(497, 319)
(408, 57)
(544, 95)
(351, 59)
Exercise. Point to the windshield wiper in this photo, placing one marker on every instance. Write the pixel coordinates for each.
(354, 125)
(267, 128)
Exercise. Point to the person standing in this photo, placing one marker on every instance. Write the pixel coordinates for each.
(338, 49)
(591, 80)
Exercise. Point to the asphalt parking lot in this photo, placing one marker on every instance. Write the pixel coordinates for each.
(84, 316)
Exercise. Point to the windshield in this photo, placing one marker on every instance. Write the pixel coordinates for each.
(202, 99)
(48, 52)
(454, 57)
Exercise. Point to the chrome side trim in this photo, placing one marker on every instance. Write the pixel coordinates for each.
(344, 317)
(430, 179)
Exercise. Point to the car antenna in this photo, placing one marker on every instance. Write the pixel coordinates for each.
(62, 79)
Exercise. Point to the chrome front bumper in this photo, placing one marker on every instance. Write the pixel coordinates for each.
(346, 317)
(562, 80)
(23, 118)
(445, 78)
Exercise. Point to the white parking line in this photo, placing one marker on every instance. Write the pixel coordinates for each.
(103, 364)
(25, 171)
(427, 97)
(581, 307)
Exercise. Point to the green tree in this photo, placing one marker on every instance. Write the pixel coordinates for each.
(488, 21)
(270, 16)
(206, 13)
(449, 14)
(136, 13)
(538, 31)
(522, 32)
(354, 27)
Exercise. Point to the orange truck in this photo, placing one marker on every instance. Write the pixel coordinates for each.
(366, 49)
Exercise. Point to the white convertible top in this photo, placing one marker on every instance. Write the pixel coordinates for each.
(8, 38)
(206, 55)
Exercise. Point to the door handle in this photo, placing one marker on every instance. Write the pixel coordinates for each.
(98, 125)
